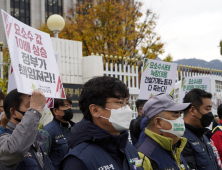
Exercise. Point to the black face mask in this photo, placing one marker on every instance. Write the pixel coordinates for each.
(68, 114)
(206, 119)
(23, 113)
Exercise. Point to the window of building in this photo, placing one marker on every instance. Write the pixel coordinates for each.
(52, 7)
(20, 9)
(218, 86)
(83, 2)
(80, 2)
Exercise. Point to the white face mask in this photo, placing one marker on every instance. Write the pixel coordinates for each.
(178, 127)
(120, 118)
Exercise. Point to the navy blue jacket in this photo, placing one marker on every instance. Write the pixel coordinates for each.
(1, 129)
(198, 152)
(143, 126)
(159, 157)
(58, 141)
(135, 129)
(31, 162)
(96, 144)
(135, 136)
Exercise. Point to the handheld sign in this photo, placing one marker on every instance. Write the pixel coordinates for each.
(189, 83)
(32, 58)
(12, 86)
(157, 77)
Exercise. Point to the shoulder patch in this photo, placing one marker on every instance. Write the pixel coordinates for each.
(59, 136)
(28, 155)
(196, 143)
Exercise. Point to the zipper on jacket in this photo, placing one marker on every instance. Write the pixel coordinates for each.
(202, 139)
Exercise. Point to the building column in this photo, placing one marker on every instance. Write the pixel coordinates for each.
(64, 7)
(7, 7)
(42, 20)
(32, 13)
(74, 3)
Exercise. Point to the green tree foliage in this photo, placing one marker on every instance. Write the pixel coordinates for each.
(112, 27)
(7, 61)
(168, 58)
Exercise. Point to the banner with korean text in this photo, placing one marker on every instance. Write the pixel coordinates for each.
(157, 77)
(189, 83)
(33, 59)
(73, 91)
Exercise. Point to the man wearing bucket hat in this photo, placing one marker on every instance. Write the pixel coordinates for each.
(162, 145)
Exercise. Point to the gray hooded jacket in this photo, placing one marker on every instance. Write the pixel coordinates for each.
(14, 147)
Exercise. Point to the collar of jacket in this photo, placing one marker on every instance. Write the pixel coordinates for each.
(40, 139)
(165, 142)
(89, 132)
(66, 125)
(197, 131)
(11, 126)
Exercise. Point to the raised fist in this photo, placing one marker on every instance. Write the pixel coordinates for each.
(37, 100)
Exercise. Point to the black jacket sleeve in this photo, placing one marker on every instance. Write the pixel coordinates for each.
(135, 126)
(72, 162)
(189, 156)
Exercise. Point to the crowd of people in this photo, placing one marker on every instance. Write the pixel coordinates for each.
(165, 136)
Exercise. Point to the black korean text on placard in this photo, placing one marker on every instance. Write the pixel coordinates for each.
(73, 91)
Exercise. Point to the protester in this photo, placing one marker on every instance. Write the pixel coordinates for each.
(57, 130)
(2, 97)
(135, 123)
(217, 133)
(3, 118)
(216, 120)
(100, 139)
(143, 126)
(198, 151)
(20, 142)
(162, 146)
(4, 122)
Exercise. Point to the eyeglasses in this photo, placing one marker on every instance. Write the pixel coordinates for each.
(1, 106)
(123, 104)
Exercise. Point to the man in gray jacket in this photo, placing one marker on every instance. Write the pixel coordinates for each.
(20, 142)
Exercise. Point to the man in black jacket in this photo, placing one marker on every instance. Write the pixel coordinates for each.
(58, 130)
(135, 123)
(2, 97)
(198, 151)
(100, 140)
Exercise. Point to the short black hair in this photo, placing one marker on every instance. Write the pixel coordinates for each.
(139, 103)
(60, 102)
(150, 121)
(12, 100)
(219, 111)
(2, 95)
(195, 97)
(97, 90)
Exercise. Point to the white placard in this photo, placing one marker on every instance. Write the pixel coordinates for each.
(189, 83)
(157, 77)
(32, 58)
(12, 86)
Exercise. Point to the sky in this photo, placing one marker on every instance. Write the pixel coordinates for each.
(189, 28)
